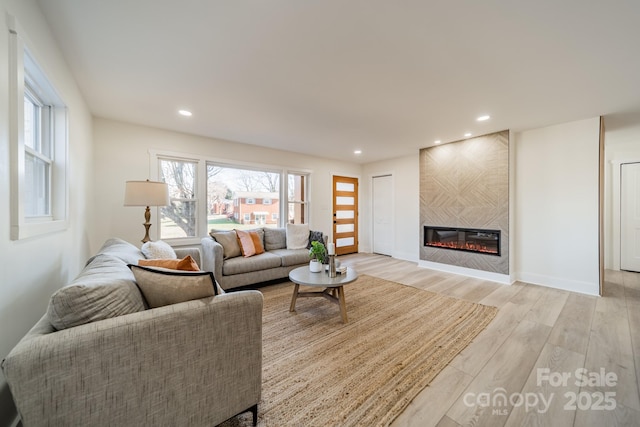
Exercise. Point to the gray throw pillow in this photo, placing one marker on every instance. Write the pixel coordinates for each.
(162, 286)
(229, 242)
(315, 236)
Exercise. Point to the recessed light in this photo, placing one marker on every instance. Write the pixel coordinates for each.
(185, 113)
(483, 118)
(357, 152)
(467, 135)
(437, 141)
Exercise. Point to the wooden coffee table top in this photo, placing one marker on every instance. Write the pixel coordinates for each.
(303, 276)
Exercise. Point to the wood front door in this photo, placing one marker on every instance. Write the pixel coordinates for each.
(345, 214)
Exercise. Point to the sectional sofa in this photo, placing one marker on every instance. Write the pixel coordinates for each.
(101, 357)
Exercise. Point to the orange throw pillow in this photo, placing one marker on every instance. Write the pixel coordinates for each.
(186, 264)
(250, 243)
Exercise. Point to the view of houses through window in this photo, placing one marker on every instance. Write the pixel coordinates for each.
(236, 198)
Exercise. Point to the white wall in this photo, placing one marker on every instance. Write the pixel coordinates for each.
(32, 269)
(122, 153)
(406, 206)
(556, 206)
(622, 145)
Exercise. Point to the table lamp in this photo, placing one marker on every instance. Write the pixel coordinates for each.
(146, 193)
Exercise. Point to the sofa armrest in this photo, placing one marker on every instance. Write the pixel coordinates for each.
(212, 256)
(194, 363)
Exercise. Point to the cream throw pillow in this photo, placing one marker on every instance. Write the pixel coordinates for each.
(158, 250)
(297, 236)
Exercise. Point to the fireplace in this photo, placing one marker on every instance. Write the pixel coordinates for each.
(463, 239)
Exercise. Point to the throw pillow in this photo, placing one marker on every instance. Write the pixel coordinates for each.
(297, 236)
(158, 250)
(186, 264)
(275, 238)
(229, 242)
(315, 236)
(250, 243)
(161, 286)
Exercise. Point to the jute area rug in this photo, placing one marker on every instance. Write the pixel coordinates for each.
(318, 371)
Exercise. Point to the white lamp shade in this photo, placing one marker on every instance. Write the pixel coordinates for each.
(146, 193)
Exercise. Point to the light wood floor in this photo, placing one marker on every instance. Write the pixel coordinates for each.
(537, 331)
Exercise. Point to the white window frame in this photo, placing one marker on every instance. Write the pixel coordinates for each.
(202, 226)
(250, 201)
(23, 66)
(155, 157)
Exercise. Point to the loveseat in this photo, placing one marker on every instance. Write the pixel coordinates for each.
(284, 250)
(194, 363)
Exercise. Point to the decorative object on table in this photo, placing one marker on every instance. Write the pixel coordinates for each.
(317, 253)
(146, 193)
(332, 259)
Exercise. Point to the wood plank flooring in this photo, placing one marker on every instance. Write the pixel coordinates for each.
(539, 335)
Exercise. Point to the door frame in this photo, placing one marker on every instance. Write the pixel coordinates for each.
(616, 204)
(393, 211)
(359, 222)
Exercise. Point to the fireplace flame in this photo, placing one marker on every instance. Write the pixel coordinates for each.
(466, 246)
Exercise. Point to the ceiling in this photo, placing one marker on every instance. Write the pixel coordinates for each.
(327, 77)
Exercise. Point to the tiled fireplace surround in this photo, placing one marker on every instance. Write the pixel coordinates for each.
(465, 184)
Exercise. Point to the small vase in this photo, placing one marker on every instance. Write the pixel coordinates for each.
(315, 266)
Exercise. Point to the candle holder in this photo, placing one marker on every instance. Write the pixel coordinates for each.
(332, 266)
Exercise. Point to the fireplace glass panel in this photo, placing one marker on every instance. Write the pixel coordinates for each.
(463, 239)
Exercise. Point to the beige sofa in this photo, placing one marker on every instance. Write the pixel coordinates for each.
(222, 256)
(194, 363)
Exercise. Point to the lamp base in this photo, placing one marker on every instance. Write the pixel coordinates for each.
(147, 224)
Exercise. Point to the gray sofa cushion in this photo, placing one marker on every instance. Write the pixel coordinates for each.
(105, 288)
(241, 265)
(292, 256)
(275, 238)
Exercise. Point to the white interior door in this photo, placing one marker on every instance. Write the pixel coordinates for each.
(382, 214)
(630, 217)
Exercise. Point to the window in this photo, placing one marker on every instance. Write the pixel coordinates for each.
(297, 198)
(207, 194)
(179, 219)
(38, 136)
(227, 184)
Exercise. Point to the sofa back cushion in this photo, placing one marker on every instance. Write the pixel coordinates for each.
(275, 238)
(105, 288)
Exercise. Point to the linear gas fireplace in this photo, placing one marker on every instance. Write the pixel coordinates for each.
(463, 239)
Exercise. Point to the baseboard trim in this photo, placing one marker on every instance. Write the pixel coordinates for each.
(578, 286)
(504, 279)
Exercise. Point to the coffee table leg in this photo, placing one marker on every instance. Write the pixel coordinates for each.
(294, 298)
(343, 305)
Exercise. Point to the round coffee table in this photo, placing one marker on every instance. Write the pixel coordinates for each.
(333, 286)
